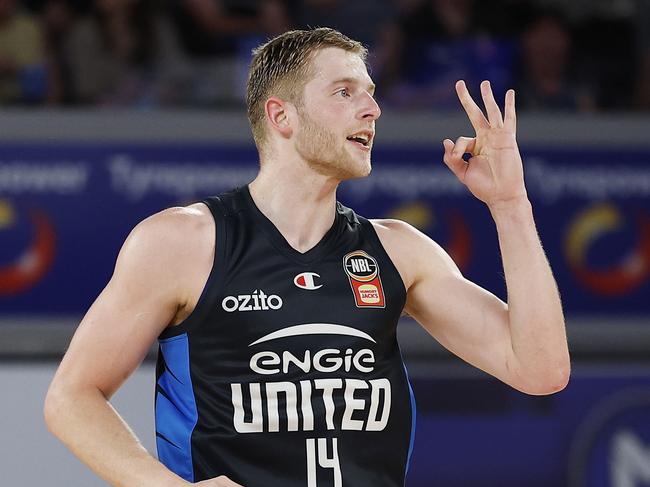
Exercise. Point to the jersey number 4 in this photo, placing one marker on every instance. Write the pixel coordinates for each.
(317, 448)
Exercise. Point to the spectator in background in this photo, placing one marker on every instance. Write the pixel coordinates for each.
(274, 19)
(643, 40)
(604, 43)
(378, 30)
(345, 16)
(545, 82)
(23, 74)
(503, 18)
(209, 28)
(442, 44)
(218, 36)
(124, 53)
(57, 21)
(211, 33)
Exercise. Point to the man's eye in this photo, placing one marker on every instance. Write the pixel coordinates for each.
(344, 92)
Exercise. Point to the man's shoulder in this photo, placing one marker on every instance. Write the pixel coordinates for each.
(169, 248)
(174, 233)
(178, 221)
(409, 248)
(400, 238)
(393, 229)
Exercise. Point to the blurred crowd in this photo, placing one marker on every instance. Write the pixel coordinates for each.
(583, 55)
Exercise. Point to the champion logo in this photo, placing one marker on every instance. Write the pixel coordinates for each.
(307, 280)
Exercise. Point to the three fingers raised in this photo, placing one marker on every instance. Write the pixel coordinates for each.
(494, 117)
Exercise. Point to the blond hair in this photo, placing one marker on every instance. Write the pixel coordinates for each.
(281, 67)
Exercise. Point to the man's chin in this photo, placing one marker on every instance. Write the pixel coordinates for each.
(365, 170)
(358, 167)
(344, 168)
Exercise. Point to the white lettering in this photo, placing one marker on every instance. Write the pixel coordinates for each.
(258, 301)
(289, 358)
(182, 179)
(374, 424)
(305, 406)
(272, 359)
(328, 386)
(352, 404)
(371, 415)
(334, 361)
(327, 360)
(630, 460)
(255, 425)
(243, 302)
(370, 359)
(263, 300)
(230, 304)
(323, 460)
(58, 177)
(289, 389)
(274, 301)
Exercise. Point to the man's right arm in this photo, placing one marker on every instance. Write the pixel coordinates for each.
(146, 293)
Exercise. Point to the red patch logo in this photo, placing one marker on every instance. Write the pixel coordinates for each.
(363, 273)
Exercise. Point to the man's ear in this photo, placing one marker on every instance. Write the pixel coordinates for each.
(279, 114)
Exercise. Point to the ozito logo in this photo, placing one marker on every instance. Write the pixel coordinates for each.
(363, 272)
(258, 301)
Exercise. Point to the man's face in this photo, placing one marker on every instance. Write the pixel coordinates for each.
(337, 116)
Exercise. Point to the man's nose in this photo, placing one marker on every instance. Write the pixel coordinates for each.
(370, 108)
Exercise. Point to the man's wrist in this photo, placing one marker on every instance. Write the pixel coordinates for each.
(176, 482)
(161, 476)
(513, 208)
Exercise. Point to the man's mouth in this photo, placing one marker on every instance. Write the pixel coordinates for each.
(362, 139)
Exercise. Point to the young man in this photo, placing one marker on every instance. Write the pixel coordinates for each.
(276, 307)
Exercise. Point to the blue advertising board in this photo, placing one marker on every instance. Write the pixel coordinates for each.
(482, 433)
(65, 210)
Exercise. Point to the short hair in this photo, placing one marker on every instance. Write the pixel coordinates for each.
(281, 67)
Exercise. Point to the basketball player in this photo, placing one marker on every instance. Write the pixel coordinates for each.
(275, 307)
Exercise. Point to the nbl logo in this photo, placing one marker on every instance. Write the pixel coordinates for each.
(363, 271)
(361, 266)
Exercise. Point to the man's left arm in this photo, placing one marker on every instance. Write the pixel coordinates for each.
(535, 315)
(523, 342)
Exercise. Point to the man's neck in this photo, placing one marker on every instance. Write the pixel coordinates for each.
(299, 202)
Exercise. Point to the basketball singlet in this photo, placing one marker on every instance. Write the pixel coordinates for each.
(288, 372)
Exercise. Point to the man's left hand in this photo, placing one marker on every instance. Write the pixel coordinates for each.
(494, 172)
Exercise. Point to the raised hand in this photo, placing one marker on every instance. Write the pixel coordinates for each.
(494, 173)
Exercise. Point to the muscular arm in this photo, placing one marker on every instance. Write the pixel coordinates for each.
(523, 343)
(146, 293)
(535, 317)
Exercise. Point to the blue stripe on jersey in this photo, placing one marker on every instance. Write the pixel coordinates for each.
(176, 413)
(413, 416)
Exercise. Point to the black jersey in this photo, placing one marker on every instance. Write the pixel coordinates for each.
(288, 372)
